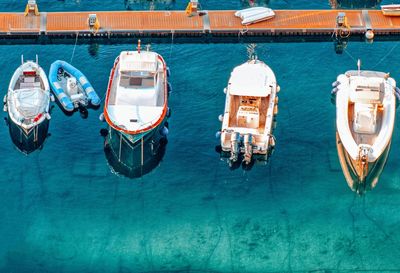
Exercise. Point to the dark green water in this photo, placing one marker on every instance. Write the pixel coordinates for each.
(63, 210)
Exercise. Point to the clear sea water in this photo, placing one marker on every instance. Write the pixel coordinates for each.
(63, 210)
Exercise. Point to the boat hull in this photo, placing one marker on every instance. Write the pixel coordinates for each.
(28, 142)
(138, 157)
(349, 167)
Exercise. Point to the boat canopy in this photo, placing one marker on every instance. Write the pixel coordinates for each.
(30, 102)
(250, 79)
(144, 61)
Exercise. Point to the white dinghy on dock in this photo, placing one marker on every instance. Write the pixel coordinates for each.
(254, 15)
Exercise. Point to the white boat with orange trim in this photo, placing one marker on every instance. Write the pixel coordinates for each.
(391, 10)
(136, 106)
(365, 115)
(250, 109)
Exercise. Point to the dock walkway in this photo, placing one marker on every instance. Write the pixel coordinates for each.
(216, 24)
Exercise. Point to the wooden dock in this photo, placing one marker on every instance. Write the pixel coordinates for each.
(217, 25)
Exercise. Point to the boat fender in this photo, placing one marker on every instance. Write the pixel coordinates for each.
(164, 131)
(335, 83)
(276, 100)
(48, 116)
(275, 109)
(101, 117)
(169, 87)
(334, 91)
(5, 99)
(168, 72)
(5, 108)
(52, 99)
(397, 96)
(103, 132)
(218, 134)
(225, 90)
(369, 35)
(272, 141)
(221, 117)
(278, 88)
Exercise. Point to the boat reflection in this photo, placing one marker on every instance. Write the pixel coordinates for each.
(133, 161)
(354, 4)
(254, 3)
(353, 180)
(149, 4)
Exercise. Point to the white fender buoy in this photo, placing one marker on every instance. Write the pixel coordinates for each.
(334, 90)
(335, 84)
(101, 117)
(48, 116)
(164, 131)
(218, 134)
(225, 90)
(52, 99)
(278, 88)
(5, 99)
(221, 117)
(369, 35)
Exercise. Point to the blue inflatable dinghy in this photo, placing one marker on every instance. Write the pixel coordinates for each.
(71, 87)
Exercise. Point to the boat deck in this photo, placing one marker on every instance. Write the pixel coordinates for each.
(221, 24)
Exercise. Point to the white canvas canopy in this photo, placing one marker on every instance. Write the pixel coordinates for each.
(251, 80)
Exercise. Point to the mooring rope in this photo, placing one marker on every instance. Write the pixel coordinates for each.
(73, 51)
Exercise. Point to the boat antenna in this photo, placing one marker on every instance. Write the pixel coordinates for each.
(138, 46)
(359, 66)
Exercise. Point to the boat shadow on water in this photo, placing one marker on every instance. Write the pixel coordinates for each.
(133, 161)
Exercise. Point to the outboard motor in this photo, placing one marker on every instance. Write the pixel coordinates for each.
(235, 149)
(248, 148)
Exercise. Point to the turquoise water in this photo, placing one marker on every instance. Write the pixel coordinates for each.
(63, 210)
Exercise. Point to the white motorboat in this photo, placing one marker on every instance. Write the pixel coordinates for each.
(136, 106)
(391, 10)
(254, 15)
(250, 107)
(365, 114)
(27, 103)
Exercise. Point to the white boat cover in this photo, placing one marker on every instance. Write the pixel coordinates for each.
(251, 80)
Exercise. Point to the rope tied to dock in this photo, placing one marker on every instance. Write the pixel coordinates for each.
(73, 51)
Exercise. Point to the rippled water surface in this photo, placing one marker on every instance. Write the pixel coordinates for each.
(63, 210)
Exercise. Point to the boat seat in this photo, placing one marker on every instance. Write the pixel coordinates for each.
(365, 118)
(371, 93)
(248, 117)
(29, 85)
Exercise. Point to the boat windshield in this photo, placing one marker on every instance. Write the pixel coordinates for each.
(137, 80)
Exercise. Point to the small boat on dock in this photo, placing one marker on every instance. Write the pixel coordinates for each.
(391, 10)
(250, 108)
(254, 15)
(365, 115)
(136, 106)
(27, 104)
(71, 88)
